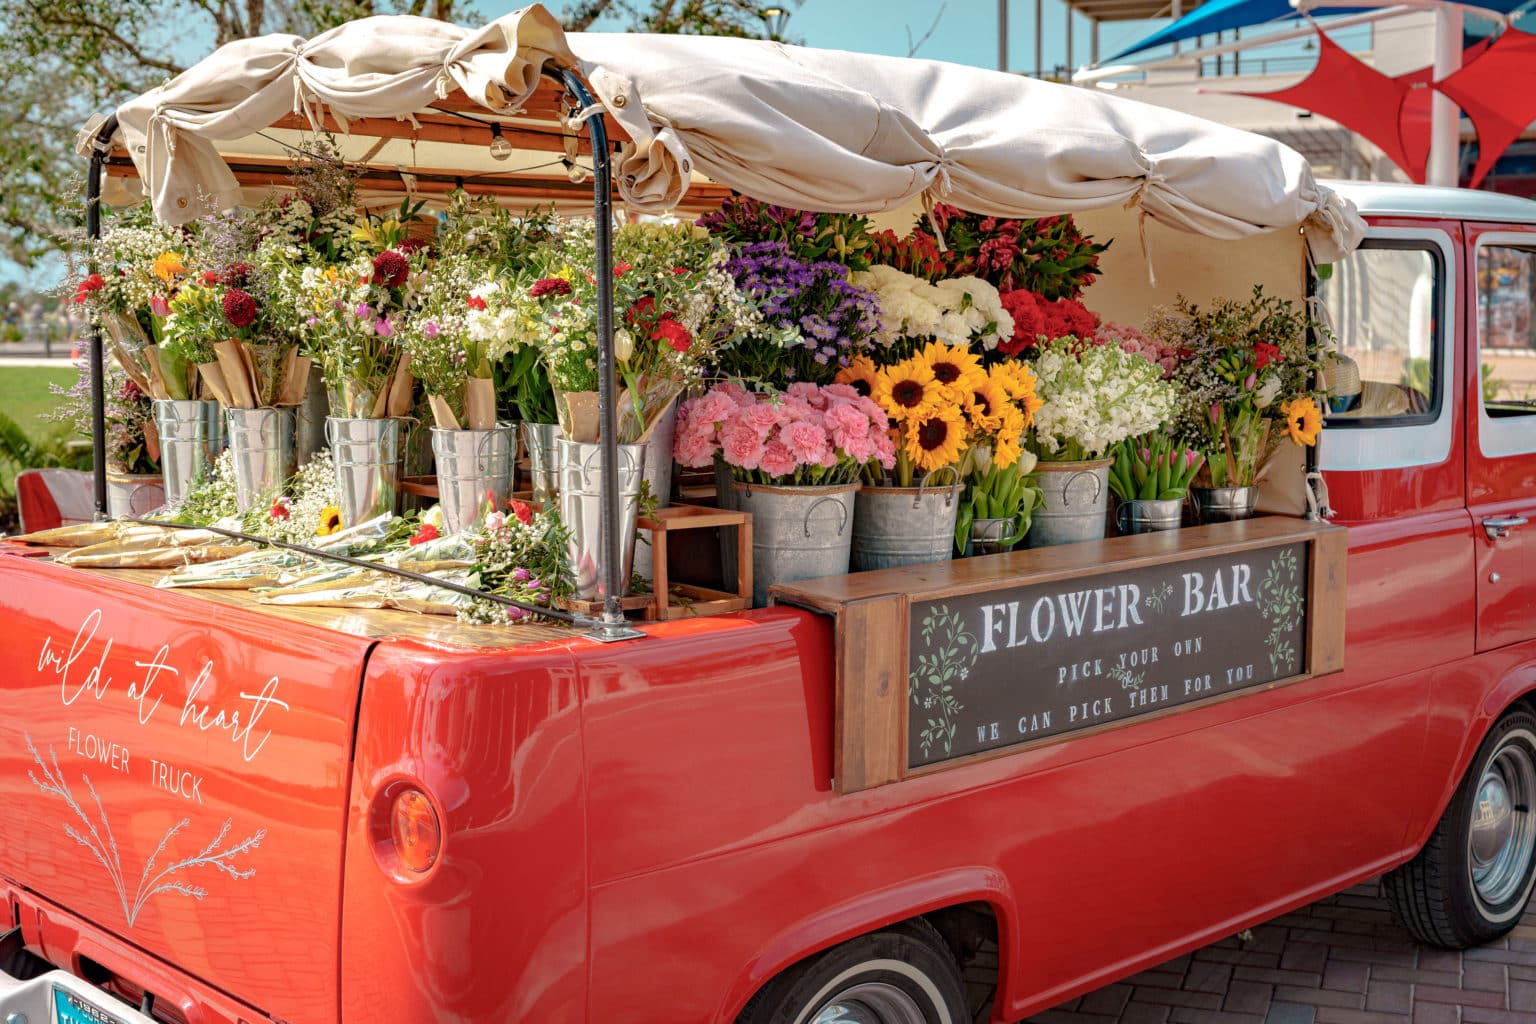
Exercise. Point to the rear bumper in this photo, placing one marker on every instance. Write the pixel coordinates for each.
(97, 966)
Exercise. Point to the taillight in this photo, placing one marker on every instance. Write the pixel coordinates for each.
(415, 830)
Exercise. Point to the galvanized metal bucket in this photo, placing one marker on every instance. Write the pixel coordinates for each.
(905, 525)
(1148, 515)
(261, 445)
(134, 494)
(990, 536)
(1076, 503)
(191, 436)
(1223, 504)
(309, 431)
(474, 467)
(541, 440)
(658, 477)
(798, 533)
(367, 457)
(581, 510)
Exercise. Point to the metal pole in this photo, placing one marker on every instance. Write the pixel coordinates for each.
(614, 626)
(1002, 35)
(1093, 41)
(1445, 118)
(1039, 38)
(1070, 67)
(1178, 12)
(100, 146)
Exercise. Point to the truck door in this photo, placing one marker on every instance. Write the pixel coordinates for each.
(1501, 429)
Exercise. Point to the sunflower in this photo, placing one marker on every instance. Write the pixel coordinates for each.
(1017, 379)
(935, 438)
(861, 373)
(330, 521)
(987, 402)
(1007, 443)
(956, 368)
(169, 266)
(908, 390)
(1303, 420)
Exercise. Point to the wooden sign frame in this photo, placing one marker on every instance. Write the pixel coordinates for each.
(869, 609)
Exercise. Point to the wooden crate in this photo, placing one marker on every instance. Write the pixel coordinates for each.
(677, 601)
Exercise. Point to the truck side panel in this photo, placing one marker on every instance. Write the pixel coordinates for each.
(496, 930)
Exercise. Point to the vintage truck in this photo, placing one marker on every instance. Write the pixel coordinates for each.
(224, 812)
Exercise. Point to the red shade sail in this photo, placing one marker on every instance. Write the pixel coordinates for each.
(1498, 92)
(1391, 112)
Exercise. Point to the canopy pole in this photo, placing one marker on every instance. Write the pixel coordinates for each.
(1002, 35)
(614, 625)
(1445, 118)
(101, 143)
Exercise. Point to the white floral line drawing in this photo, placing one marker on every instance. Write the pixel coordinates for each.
(1283, 607)
(105, 851)
(932, 680)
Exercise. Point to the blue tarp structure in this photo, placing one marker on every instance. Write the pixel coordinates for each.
(1223, 15)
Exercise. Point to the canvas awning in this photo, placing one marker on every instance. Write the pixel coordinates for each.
(815, 129)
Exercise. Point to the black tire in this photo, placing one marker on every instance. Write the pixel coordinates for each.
(903, 973)
(1464, 890)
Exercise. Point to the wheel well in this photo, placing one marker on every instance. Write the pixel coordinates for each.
(970, 929)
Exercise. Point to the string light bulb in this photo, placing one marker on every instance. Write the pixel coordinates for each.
(501, 149)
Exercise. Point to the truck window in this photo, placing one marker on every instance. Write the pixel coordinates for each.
(1506, 334)
(1382, 301)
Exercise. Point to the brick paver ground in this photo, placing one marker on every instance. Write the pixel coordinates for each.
(1344, 960)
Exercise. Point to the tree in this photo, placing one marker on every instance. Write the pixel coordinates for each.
(682, 17)
(72, 58)
(69, 59)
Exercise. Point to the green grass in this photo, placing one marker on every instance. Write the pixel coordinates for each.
(25, 398)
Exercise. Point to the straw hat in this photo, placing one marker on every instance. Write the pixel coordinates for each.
(1341, 380)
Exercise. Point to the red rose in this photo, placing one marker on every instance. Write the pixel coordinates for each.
(1264, 353)
(390, 268)
(521, 509)
(475, 302)
(549, 286)
(239, 308)
(1028, 321)
(673, 333)
(426, 533)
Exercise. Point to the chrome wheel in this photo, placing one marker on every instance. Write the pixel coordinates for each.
(1501, 834)
(871, 1003)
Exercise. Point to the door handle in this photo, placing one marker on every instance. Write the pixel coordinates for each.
(1499, 526)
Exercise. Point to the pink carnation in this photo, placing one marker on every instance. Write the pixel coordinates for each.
(741, 445)
(695, 448)
(808, 441)
(836, 393)
(777, 459)
(808, 393)
(763, 418)
(735, 392)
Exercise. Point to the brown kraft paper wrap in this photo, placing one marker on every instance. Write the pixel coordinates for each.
(578, 412)
(213, 380)
(238, 376)
(442, 413)
(480, 403)
(295, 379)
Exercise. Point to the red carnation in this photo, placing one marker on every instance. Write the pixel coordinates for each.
(673, 333)
(642, 308)
(426, 533)
(1264, 353)
(1028, 321)
(522, 510)
(1065, 317)
(239, 308)
(475, 302)
(390, 268)
(210, 279)
(620, 269)
(93, 283)
(549, 286)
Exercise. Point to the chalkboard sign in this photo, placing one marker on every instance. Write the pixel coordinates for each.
(1000, 667)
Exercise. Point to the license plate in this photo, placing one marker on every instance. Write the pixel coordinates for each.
(69, 1008)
